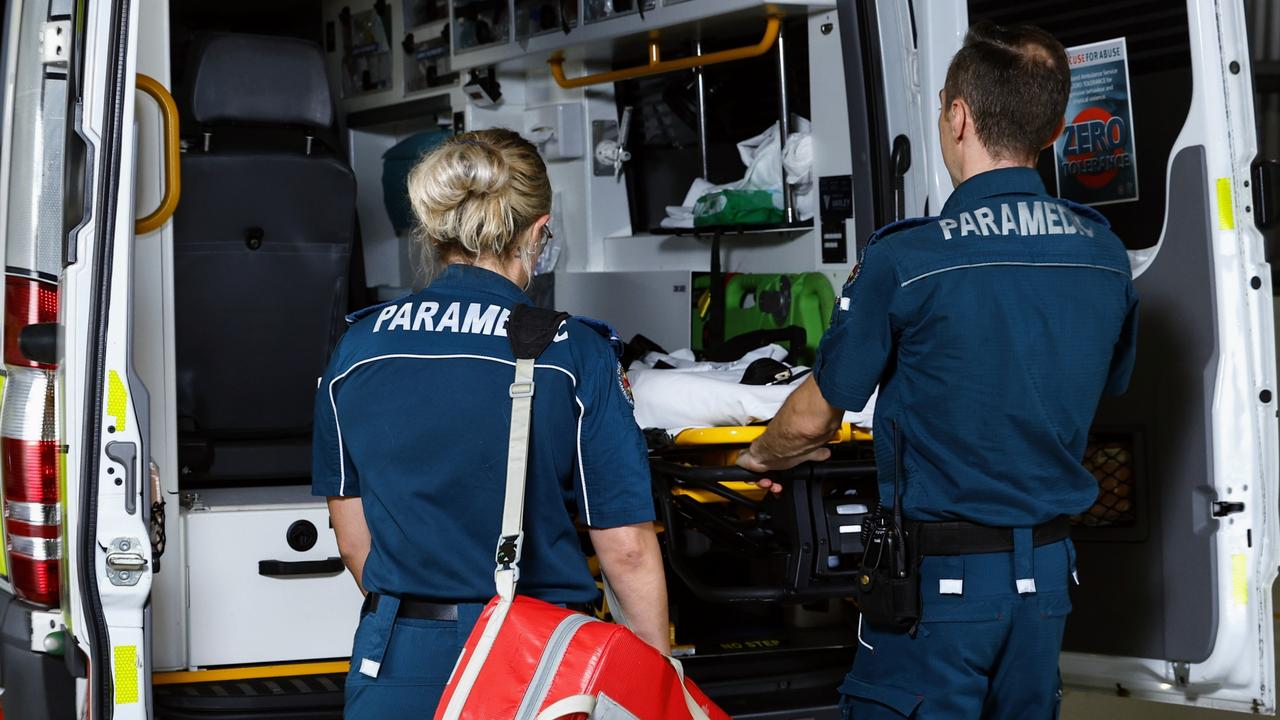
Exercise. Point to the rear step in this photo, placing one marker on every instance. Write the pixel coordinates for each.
(301, 697)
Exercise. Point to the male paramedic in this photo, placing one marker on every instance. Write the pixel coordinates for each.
(991, 331)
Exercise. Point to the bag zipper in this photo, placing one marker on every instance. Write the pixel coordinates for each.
(557, 646)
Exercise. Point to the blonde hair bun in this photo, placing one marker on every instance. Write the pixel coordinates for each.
(474, 194)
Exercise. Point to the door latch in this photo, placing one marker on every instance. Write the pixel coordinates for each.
(125, 562)
(1223, 509)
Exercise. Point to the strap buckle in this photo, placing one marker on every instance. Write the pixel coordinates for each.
(508, 553)
(521, 390)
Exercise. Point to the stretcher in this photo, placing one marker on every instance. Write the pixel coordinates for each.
(729, 540)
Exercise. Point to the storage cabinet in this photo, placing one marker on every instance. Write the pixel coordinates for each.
(266, 584)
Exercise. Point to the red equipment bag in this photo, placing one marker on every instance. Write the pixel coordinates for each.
(548, 662)
(531, 660)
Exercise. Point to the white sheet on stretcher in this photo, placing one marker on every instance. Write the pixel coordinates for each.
(693, 394)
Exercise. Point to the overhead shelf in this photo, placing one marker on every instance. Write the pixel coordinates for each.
(625, 38)
(728, 230)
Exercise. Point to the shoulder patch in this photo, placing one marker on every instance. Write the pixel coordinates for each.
(899, 226)
(362, 313)
(1086, 211)
(604, 330)
(624, 384)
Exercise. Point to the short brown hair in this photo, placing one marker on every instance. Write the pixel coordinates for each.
(1016, 81)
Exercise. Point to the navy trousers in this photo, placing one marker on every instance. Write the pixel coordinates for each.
(985, 648)
(412, 660)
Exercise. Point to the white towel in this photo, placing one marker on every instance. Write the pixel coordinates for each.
(694, 394)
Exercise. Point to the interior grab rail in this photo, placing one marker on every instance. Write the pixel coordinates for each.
(172, 157)
(657, 65)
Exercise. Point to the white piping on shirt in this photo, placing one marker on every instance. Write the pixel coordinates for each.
(582, 470)
(1087, 266)
(333, 403)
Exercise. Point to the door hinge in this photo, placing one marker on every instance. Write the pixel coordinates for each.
(55, 43)
(1181, 674)
(125, 563)
(1223, 509)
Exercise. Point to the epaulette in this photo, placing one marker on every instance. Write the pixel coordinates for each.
(900, 225)
(605, 330)
(1087, 211)
(362, 313)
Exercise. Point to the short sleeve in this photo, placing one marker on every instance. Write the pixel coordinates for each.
(856, 348)
(613, 482)
(1126, 349)
(332, 472)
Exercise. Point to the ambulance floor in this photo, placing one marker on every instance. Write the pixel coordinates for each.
(1091, 706)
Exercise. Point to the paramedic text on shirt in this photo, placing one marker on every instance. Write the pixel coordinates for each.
(991, 330)
(411, 435)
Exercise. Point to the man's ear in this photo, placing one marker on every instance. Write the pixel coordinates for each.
(960, 120)
(1056, 133)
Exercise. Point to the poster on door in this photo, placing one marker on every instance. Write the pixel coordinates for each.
(1095, 156)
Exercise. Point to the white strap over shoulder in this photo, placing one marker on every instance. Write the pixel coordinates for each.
(512, 539)
(507, 555)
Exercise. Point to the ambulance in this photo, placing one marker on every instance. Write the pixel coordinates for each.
(194, 194)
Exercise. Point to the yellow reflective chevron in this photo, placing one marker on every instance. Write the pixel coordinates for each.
(126, 665)
(1226, 211)
(117, 400)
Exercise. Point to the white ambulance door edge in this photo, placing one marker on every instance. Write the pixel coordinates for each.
(904, 112)
(1238, 675)
(940, 30)
(105, 404)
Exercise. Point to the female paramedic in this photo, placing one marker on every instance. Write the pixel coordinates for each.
(411, 428)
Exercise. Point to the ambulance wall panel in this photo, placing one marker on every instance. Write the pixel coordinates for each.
(1157, 597)
(385, 254)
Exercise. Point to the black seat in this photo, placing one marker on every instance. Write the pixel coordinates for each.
(262, 245)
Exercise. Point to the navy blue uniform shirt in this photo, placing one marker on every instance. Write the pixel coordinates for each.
(413, 416)
(992, 330)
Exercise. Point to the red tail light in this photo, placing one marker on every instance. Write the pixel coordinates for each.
(26, 302)
(29, 449)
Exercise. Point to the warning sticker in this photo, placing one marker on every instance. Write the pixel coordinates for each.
(1095, 157)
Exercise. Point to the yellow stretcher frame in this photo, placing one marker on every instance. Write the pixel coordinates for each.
(745, 434)
(742, 435)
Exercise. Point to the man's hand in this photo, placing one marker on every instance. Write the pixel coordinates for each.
(748, 461)
(797, 434)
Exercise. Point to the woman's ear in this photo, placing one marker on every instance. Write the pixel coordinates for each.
(536, 229)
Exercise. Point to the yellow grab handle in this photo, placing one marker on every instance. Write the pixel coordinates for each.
(658, 66)
(172, 157)
(742, 435)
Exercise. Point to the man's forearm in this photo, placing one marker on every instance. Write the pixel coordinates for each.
(805, 423)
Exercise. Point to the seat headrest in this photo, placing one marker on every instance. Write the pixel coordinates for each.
(260, 79)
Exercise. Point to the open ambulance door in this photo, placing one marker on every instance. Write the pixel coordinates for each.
(107, 561)
(1177, 564)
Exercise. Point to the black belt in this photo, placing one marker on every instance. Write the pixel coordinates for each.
(427, 610)
(415, 609)
(966, 538)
